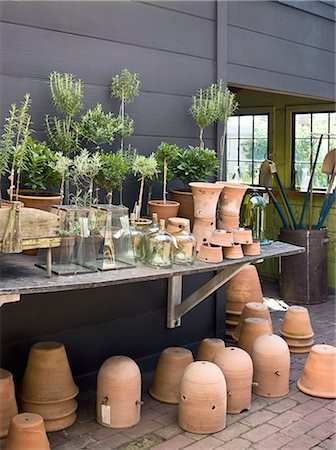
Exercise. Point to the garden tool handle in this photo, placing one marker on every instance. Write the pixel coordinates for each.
(277, 207)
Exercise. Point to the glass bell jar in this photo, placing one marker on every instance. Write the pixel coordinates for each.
(185, 246)
(138, 240)
(253, 216)
(159, 248)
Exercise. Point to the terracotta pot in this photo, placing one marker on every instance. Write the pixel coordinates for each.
(252, 328)
(231, 197)
(168, 374)
(237, 368)
(175, 224)
(202, 230)
(252, 309)
(185, 198)
(232, 316)
(234, 252)
(271, 362)
(27, 432)
(208, 349)
(300, 350)
(205, 196)
(243, 288)
(242, 235)
(319, 372)
(222, 237)
(252, 249)
(163, 210)
(8, 406)
(225, 222)
(51, 411)
(60, 424)
(202, 403)
(299, 342)
(119, 393)
(48, 376)
(296, 323)
(210, 253)
(44, 201)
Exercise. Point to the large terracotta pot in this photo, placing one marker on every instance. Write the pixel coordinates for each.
(252, 309)
(234, 252)
(168, 374)
(225, 222)
(203, 399)
(50, 411)
(185, 198)
(163, 210)
(222, 237)
(202, 230)
(252, 249)
(237, 368)
(27, 432)
(296, 323)
(48, 376)
(252, 328)
(8, 406)
(231, 198)
(243, 288)
(60, 424)
(319, 372)
(299, 345)
(210, 253)
(205, 196)
(175, 224)
(44, 201)
(208, 349)
(242, 235)
(119, 393)
(271, 362)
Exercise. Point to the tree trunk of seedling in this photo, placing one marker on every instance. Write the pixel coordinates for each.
(11, 179)
(201, 139)
(17, 185)
(150, 190)
(221, 155)
(140, 197)
(109, 197)
(165, 181)
(62, 190)
(90, 192)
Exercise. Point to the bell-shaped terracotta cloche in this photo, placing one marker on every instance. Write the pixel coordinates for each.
(208, 349)
(8, 406)
(27, 432)
(252, 328)
(296, 323)
(243, 288)
(252, 309)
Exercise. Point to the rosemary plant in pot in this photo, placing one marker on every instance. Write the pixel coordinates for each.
(164, 208)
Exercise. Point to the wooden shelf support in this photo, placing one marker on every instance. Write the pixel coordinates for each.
(9, 298)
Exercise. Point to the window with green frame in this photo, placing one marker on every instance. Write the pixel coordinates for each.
(307, 128)
(247, 145)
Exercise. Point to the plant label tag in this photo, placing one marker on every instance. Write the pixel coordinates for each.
(106, 414)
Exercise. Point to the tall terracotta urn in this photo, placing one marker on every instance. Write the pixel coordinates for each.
(8, 406)
(229, 204)
(243, 288)
(168, 374)
(205, 196)
(119, 393)
(208, 349)
(252, 328)
(27, 432)
(237, 368)
(202, 230)
(252, 309)
(319, 372)
(203, 399)
(271, 362)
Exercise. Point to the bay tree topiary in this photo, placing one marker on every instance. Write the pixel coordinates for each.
(144, 168)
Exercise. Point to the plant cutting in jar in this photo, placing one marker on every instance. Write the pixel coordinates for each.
(144, 168)
(85, 169)
(62, 165)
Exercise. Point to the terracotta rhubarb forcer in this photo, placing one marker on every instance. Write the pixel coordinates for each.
(208, 349)
(48, 376)
(175, 224)
(230, 202)
(8, 406)
(319, 372)
(222, 237)
(242, 235)
(252, 309)
(27, 432)
(296, 323)
(205, 197)
(252, 328)
(234, 252)
(202, 230)
(168, 374)
(203, 399)
(237, 368)
(252, 249)
(243, 288)
(119, 393)
(271, 362)
(210, 253)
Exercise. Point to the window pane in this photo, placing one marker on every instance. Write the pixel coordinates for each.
(332, 144)
(256, 173)
(302, 150)
(245, 169)
(323, 149)
(260, 126)
(245, 149)
(232, 127)
(302, 125)
(260, 149)
(246, 126)
(320, 179)
(333, 123)
(302, 173)
(232, 167)
(232, 149)
(320, 123)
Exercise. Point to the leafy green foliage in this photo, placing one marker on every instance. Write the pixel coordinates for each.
(7, 140)
(124, 126)
(61, 164)
(125, 86)
(62, 135)
(145, 167)
(166, 152)
(114, 169)
(226, 103)
(38, 172)
(85, 169)
(66, 93)
(194, 164)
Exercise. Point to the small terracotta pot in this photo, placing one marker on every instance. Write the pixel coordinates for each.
(163, 210)
(252, 309)
(210, 253)
(205, 197)
(252, 328)
(60, 424)
(8, 406)
(319, 372)
(51, 411)
(118, 393)
(203, 399)
(237, 368)
(243, 288)
(176, 223)
(300, 350)
(208, 349)
(222, 237)
(234, 252)
(231, 197)
(168, 374)
(202, 230)
(48, 376)
(252, 249)
(27, 432)
(271, 362)
(296, 323)
(242, 236)
(225, 222)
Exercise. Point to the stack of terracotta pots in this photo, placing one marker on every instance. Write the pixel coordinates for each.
(8, 406)
(208, 349)
(48, 388)
(119, 393)
(297, 330)
(252, 328)
(252, 309)
(243, 288)
(168, 374)
(27, 432)
(229, 204)
(319, 372)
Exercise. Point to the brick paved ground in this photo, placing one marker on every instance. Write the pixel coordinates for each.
(297, 422)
